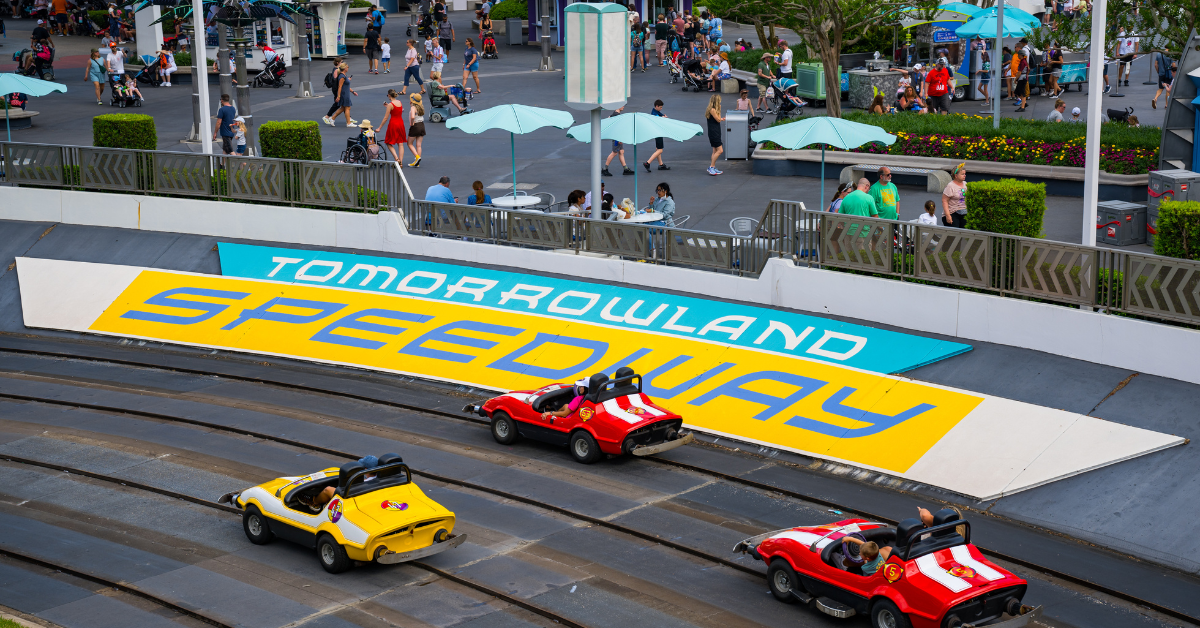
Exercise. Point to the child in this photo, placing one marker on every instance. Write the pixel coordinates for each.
(386, 53)
(131, 88)
(873, 557)
(743, 102)
(429, 42)
(239, 134)
(928, 218)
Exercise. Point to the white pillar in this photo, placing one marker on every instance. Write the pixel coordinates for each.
(201, 78)
(1091, 164)
(149, 38)
(597, 159)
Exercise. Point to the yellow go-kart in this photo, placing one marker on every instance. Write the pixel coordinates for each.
(352, 513)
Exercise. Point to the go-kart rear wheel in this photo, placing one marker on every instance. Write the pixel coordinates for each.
(584, 448)
(504, 429)
(884, 614)
(781, 578)
(333, 556)
(256, 527)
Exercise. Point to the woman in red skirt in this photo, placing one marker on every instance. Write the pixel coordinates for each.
(393, 122)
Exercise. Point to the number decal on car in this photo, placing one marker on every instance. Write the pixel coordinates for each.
(585, 414)
(962, 572)
(892, 572)
(335, 510)
(391, 505)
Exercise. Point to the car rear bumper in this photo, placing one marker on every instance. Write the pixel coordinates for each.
(649, 450)
(1024, 619)
(391, 558)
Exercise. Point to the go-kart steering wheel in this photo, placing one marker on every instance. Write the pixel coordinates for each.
(851, 550)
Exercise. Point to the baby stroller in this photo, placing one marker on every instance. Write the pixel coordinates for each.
(440, 108)
(693, 75)
(122, 100)
(424, 27)
(271, 75)
(489, 46)
(149, 73)
(787, 103)
(359, 150)
(674, 69)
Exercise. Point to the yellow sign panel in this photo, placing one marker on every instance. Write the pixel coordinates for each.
(830, 411)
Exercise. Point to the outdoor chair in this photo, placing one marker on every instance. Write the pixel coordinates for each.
(679, 220)
(743, 227)
(546, 199)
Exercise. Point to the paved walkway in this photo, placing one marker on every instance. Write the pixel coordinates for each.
(545, 158)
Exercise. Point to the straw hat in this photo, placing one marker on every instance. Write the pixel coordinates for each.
(414, 98)
(365, 124)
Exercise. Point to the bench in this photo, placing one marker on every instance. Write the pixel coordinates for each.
(19, 118)
(935, 180)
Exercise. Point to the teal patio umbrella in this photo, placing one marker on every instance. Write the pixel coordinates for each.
(17, 84)
(823, 130)
(634, 128)
(514, 119)
(1017, 23)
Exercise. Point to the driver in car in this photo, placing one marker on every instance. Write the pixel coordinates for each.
(317, 502)
(871, 553)
(568, 409)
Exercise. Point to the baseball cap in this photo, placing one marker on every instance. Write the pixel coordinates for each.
(239, 119)
(1075, 111)
(40, 22)
(941, 61)
(917, 66)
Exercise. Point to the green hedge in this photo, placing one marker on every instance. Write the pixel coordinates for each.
(1008, 206)
(100, 18)
(184, 60)
(510, 8)
(749, 59)
(291, 139)
(1178, 230)
(125, 130)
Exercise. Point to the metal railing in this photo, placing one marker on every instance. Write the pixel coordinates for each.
(1159, 288)
(293, 182)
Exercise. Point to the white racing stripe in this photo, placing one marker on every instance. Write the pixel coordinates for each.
(616, 411)
(804, 538)
(962, 555)
(636, 401)
(929, 566)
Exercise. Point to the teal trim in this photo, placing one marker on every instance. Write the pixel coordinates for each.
(594, 7)
(600, 61)
(582, 58)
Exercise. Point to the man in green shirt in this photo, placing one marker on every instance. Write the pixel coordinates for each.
(887, 197)
(858, 202)
(764, 80)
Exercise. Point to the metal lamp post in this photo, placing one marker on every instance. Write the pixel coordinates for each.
(596, 69)
(304, 58)
(243, 88)
(1091, 163)
(547, 64)
(224, 69)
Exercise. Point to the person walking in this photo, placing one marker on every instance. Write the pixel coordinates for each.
(1022, 79)
(658, 141)
(343, 96)
(1162, 66)
(785, 60)
(437, 57)
(618, 150)
(95, 74)
(954, 198)
(764, 81)
(226, 118)
(985, 77)
(416, 131)
(393, 125)
(445, 33)
(331, 81)
(115, 64)
(371, 49)
(661, 29)
(471, 65)
(713, 116)
(635, 46)
(412, 67)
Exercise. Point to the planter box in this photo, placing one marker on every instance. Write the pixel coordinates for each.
(1059, 180)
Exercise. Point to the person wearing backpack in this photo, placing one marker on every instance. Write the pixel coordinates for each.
(331, 82)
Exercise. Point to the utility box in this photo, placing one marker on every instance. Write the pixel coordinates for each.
(736, 136)
(810, 79)
(1167, 185)
(1120, 223)
(512, 28)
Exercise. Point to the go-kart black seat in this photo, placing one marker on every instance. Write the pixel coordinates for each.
(624, 383)
(882, 537)
(938, 539)
(945, 515)
(553, 400)
(345, 472)
(596, 385)
(905, 530)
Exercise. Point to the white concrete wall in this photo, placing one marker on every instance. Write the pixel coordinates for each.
(1111, 340)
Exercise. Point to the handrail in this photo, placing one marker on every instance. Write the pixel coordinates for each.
(1158, 288)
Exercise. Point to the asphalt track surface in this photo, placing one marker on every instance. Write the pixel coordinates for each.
(592, 545)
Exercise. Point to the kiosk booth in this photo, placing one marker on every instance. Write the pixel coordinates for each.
(326, 32)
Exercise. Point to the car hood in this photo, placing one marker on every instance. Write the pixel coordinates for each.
(398, 506)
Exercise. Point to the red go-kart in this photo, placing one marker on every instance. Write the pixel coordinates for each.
(614, 418)
(934, 577)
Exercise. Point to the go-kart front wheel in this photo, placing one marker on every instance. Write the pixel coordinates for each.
(256, 527)
(884, 614)
(504, 429)
(781, 578)
(584, 448)
(333, 556)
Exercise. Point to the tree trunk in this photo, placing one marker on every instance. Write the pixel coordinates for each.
(772, 37)
(833, 79)
(762, 36)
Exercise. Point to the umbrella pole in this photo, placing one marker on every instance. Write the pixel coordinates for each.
(512, 147)
(635, 172)
(7, 124)
(822, 199)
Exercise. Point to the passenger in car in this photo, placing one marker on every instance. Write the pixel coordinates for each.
(926, 520)
(317, 502)
(581, 390)
(871, 553)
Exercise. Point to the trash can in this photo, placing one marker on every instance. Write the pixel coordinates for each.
(1165, 185)
(736, 136)
(1120, 223)
(512, 25)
